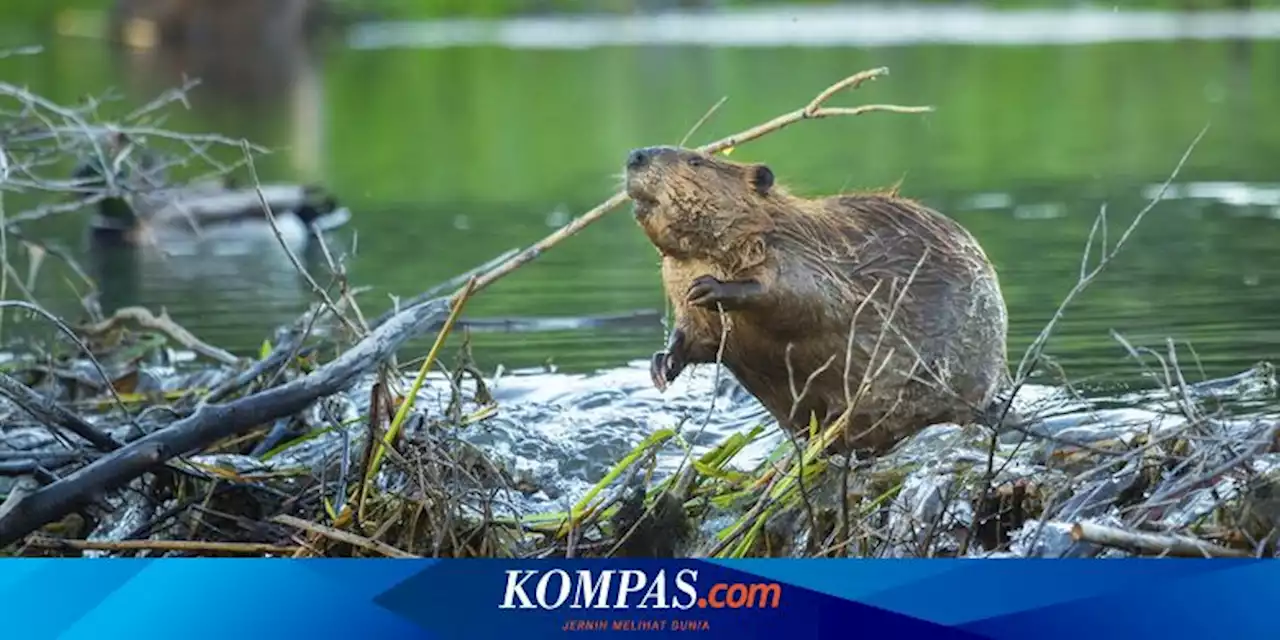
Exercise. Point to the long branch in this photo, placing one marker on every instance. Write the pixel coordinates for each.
(812, 111)
(49, 412)
(211, 423)
(1145, 542)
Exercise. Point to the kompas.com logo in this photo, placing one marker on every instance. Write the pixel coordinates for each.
(630, 588)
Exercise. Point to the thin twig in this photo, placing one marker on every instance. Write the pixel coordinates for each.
(703, 120)
(247, 150)
(183, 546)
(1087, 276)
(374, 546)
(1035, 351)
(211, 423)
(53, 414)
(397, 423)
(67, 331)
(812, 111)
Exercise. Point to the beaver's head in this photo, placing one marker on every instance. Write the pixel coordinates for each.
(683, 196)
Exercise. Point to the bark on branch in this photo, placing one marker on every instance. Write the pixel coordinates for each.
(164, 323)
(52, 414)
(211, 423)
(811, 111)
(1153, 543)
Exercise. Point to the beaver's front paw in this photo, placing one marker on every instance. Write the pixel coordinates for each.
(665, 366)
(706, 291)
(709, 293)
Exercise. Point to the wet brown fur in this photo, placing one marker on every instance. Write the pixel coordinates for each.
(826, 266)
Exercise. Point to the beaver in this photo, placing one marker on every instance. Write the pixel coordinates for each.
(803, 300)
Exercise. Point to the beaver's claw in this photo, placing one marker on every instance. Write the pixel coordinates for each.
(705, 291)
(663, 369)
(710, 293)
(666, 365)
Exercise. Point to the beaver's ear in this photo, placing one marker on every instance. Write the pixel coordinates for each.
(761, 178)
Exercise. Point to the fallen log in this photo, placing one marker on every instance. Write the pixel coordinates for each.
(214, 422)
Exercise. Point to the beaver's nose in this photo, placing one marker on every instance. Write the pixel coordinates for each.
(638, 158)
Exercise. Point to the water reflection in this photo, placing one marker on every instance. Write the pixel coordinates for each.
(257, 63)
(449, 154)
(830, 26)
(253, 75)
(228, 282)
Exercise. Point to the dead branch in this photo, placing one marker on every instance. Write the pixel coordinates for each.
(211, 423)
(451, 283)
(1156, 543)
(52, 414)
(144, 318)
(182, 546)
(285, 350)
(535, 324)
(41, 133)
(811, 111)
(43, 464)
(375, 546)
(281, 354)
(71, 335)
(355, 329)
(1035, 351)
(1105, 256)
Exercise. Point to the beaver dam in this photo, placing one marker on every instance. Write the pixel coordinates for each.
(126, 434)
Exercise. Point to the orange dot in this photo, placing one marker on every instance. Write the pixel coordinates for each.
(702, 602)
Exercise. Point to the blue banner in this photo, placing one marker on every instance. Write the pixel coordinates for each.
(350, 599)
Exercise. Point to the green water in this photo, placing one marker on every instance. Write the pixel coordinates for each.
(450, 156)
(46, 11)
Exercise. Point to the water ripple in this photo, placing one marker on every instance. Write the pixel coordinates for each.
(825, 27)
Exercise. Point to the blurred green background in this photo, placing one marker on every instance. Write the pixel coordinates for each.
(37, 11)
(448, 156)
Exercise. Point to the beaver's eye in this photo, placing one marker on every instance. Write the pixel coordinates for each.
(695, 161)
